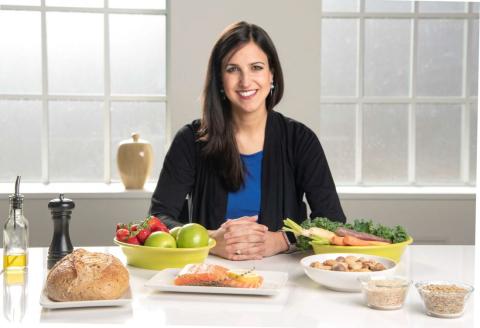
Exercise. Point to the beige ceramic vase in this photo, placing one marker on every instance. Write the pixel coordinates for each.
(134, 161)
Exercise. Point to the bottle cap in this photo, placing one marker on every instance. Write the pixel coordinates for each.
(61, 204)
(16, 199)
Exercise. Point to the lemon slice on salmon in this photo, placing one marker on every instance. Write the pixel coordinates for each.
(244, 278)
(241, 273)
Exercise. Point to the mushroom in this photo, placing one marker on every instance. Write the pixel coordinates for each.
(329, 262)
(378, 267)
(355, 266)
(339, 267)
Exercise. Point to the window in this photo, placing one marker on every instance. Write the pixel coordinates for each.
(76, 78)
(399, 92)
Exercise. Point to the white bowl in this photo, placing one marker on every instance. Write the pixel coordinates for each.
(344, 281)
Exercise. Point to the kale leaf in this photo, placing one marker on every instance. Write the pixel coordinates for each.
(303, 243)
(324, 223)
(396, 234)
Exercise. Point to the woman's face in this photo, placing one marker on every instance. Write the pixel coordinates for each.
(247, 79)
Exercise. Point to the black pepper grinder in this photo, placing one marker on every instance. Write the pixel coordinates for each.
(61, 245)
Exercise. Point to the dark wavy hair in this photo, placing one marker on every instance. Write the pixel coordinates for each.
(217, 129)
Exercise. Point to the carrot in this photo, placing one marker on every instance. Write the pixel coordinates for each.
(337, 240)
(353, 241)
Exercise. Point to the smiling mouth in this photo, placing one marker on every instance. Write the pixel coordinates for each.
(247, 94)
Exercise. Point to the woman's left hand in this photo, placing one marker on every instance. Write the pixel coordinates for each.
(244, 238)
(274, 243)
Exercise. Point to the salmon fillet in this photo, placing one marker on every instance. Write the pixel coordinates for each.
(201, 275)
(215, 275)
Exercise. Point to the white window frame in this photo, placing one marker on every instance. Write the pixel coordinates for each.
(465, 100)
(107, 97)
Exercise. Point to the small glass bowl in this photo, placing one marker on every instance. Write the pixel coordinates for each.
(385, 292)
(444, 299)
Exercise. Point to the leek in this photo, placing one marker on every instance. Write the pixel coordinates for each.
(318, 235)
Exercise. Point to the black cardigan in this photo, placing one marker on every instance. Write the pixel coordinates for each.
(293, 165)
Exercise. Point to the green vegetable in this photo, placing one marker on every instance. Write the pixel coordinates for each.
(319, 235)
(314, 233)
(306, 232)
(399, 235)
(323, 223)
(303, 242)
(364, 226)
(384, 232)
(322, 241)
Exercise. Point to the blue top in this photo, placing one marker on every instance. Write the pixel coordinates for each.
(246, 201)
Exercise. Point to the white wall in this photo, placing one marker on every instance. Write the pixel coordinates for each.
(92, 221)
(294, 27)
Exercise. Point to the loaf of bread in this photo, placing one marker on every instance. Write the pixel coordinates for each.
(86, 276)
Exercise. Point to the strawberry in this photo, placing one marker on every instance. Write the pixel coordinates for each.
(155, 224)
(121, 226)
(134, 227)
(122, 235)
(143, 234)
(133, 240)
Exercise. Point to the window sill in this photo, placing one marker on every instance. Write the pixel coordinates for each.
(407, 192)
(118, 191)
(78, 190)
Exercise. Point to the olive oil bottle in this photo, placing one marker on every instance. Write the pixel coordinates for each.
(15, 234)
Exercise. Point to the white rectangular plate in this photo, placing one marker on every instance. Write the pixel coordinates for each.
(49, 304)
(273, 281)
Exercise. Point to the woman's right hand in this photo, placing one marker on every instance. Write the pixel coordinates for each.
(240, 239)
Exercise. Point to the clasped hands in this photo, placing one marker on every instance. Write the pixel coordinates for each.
(245, 239)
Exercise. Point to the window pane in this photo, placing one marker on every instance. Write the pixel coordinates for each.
(146, 118)
(476, 7)
(438, 142)
(473, 59)
(473, 143)
(337, 135)
(441, 7)
(387, 57)
(141, 4)
(76, 3)
(76, 150)
(440, 57)
(20, 135)
(344, 5)
(388, 6)
(339, 57)
(75, 53)
(20, 55)
(138, 40)
(385, 144)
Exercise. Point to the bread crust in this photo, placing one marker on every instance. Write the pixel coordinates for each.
(87, 276)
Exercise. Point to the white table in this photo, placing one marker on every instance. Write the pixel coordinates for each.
(302, 303)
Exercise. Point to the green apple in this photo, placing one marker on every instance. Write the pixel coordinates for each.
(160, 239)
(174, 232)
(192, 235)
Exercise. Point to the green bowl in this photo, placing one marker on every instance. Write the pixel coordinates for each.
(392, 251)
(157, 258)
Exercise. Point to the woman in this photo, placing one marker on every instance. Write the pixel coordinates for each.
(245, 166)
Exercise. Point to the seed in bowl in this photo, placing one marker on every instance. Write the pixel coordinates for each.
(444, 300)
(385, 293)
(349, 264)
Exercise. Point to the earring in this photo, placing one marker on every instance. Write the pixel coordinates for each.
(223, 94)
(272, 86)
